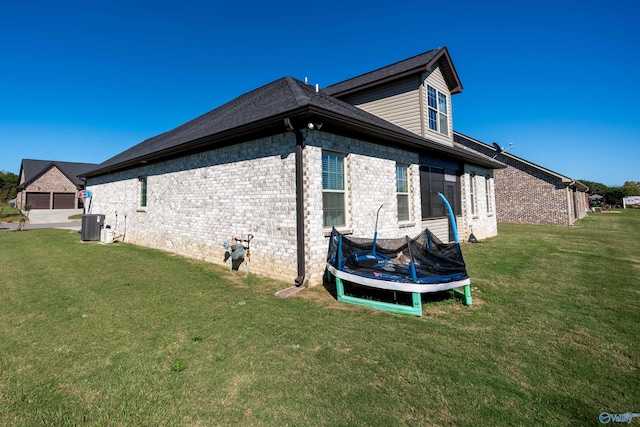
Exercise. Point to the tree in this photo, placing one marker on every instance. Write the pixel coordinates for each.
(4, 198)
(631, 188)
(9, 181)
(595, 187)
(24, 216)
(613, 195)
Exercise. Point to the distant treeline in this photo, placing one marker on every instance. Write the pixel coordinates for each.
(8, 186)
(613, 195)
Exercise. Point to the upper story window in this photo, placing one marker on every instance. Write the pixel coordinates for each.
(333, 190)
(402, 192)
(438, 116)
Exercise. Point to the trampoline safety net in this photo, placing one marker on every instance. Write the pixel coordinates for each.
(423, 259)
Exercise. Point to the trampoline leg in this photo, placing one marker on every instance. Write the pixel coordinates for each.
(416, 298)
(465, 294)
(339, 288)
(413, 310)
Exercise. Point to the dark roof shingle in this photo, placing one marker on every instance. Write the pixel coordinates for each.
(413, 65)
(33, 169)
(264, 106)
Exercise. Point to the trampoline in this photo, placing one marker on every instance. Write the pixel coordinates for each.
(414, 265)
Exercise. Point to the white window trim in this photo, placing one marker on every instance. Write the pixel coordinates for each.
(143, 181)
(487, 187)
(438, 112)
(407, 169)
(343, 191)
(473, 195)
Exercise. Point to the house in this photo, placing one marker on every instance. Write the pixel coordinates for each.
(528, 193)
(48, 184)
(416, 94)
(287, 162)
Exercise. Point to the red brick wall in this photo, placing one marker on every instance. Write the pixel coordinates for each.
(52, 181)
(528, 195)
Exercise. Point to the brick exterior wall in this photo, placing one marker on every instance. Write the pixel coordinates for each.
(196, 202)
(528, 194)
(52, 181)
(483, 221)
(370, 175)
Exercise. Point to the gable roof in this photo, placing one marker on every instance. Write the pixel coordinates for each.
(262, 111)
(424, 62)
(487, 150)
(34, 169)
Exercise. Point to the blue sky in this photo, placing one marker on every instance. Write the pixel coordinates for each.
(84, 80)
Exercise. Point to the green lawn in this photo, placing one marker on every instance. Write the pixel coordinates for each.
(7, 213)
(121, 335)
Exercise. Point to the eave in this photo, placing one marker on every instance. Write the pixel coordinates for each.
(42, 172)
(442, 57)
(333, 122)
(564, 179)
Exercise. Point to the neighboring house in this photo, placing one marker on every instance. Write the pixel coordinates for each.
(287, 162)
(47, 184)
(527, 193)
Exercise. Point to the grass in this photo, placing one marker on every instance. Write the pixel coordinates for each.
(122, 335)
(8, 214)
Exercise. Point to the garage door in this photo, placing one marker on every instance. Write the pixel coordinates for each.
(38, 200)
(64, 200)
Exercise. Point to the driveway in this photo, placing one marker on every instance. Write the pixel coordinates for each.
(48, 218)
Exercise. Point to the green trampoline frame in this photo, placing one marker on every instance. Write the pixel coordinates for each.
(415, 309)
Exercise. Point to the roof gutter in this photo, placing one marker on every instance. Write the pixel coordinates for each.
(275, 122)
(579, 185)
(216, 140)
(299, 202)
(410, 141)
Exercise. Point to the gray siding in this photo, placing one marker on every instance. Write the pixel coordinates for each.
(404, 103)
(436, 79)
(439, 227)
(397, 102)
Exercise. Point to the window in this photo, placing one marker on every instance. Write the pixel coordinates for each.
(438, 113)
(472, 193)
(487, 183)
(333, 205)
(143, 191)
(402, 192)
(434, 180)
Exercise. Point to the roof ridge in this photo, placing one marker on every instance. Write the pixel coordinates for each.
(518, 158)
(298, 93)
(435, 52)
(57, 161)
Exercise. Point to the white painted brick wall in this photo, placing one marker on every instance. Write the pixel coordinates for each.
(370, 181)
(483, 223)
(196, 202)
